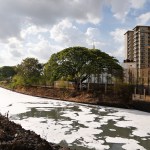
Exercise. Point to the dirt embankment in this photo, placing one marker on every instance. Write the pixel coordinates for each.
(62, 94)
(88, 97)
(14, 137)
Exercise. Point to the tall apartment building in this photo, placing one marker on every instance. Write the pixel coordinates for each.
(137, 49)
(137, 46)
(129, 46)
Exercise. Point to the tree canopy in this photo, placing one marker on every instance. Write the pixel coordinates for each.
(78, 63)
(7, 72)
(29, 71)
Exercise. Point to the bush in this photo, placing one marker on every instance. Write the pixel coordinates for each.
(124, 91)
(17, 81)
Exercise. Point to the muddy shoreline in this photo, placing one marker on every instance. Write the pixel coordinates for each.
(14, 137)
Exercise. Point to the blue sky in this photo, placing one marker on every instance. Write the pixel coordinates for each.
(40, 28)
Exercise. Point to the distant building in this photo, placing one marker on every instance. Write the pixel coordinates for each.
(142, 46)
(129, 54)
(137, 54)
(130, 72)
(137, 46)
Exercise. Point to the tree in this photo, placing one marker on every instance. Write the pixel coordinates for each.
(68, 64)
(7, 72)
(78, 64)
(29, 71)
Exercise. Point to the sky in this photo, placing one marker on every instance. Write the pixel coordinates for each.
(39, 28)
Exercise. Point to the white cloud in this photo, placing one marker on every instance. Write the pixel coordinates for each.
(67, 34)
(46, 13)
(62, 35)
(118, 39)
(32, 44)
(39, 28)
(15, 14)
(93, 36)
(15, 47)
(143, 19)
(1, 60)
(32, 30)
(138, 3)
(42, 49)
(118, 35)
(122, 8)
(119, 53)
(11, 52)
(38, 44)
(93, 33)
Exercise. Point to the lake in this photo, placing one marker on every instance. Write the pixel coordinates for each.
(79, 126)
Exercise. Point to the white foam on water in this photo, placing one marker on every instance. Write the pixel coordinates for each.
(80, 124)
(55, 132)
(129, 144)
(133, 118)
(105, 119)
(133, 146)
(112, 129)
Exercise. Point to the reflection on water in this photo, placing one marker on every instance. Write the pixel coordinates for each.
(97, 123)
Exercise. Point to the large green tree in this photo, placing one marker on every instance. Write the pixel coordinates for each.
(7, 72)
(79, 63)
(29, 71)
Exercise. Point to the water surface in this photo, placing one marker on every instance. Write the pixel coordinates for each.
(79, 126)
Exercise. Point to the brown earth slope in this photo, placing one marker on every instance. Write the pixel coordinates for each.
(14, 137)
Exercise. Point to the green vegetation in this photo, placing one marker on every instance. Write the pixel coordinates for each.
(72, 68)
(75, 64)
(6, 73)
(28, 72)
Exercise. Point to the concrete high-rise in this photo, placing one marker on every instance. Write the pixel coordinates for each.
(137, 46)
(129, 45)
(141, 46)
(137, 59)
